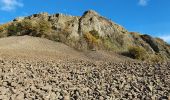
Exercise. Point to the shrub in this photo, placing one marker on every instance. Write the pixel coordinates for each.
(137, 53)
(4, 26)
(43, 27)
(157, 58)
(107, 43)
(13, 29)
(1, 28)
(120, 39)
(91, 40)
(29, 27)
(24, 27)
(95, 34)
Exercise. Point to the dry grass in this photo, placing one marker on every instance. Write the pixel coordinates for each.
(137, 53)
(93, 42)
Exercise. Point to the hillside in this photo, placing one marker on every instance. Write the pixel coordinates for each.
(38, 68)
(59, 57)
(87, 32)
(28, 47)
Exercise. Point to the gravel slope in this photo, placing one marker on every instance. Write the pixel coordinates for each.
(34, 46)
(57, 72)
(43, 49)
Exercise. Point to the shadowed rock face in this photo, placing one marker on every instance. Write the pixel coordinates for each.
(71, 30)
(148, 39)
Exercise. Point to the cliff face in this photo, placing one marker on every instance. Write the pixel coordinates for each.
(89, 21)
(90, 31)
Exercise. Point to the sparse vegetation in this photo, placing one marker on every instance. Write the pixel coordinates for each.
(108, 45)
(120, 39)
(95, 34)
(43, 27)
(62, 36)
(1, 28)
(24, 27)
(13, 29)
(137, 53)
(155, 58)
(140, 53)
(92, 38)
(29, 27)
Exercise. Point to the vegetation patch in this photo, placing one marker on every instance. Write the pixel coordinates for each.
(155, 58)
(91, 39)
(137, 53)
(107, 43)
(1, 28)
(29, 27)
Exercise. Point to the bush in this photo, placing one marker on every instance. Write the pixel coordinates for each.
(107, 43)
(91, 40)
(157, 58)
(120, 39)
(137, 53)
(95, 34)
(1, 28)
(13, 29)
(43, 27)
(24, 27)
(29, 27)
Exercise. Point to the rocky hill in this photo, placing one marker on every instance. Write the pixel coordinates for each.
(36, 68)
(88, 32)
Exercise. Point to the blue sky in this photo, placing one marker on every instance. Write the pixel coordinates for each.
(144, 16)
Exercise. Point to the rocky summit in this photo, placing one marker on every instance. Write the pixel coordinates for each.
(88, 57)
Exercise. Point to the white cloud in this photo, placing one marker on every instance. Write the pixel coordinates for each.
(166, 38)
(9, 5)
(143, 2)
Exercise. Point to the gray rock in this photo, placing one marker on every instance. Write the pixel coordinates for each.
(20, 96)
